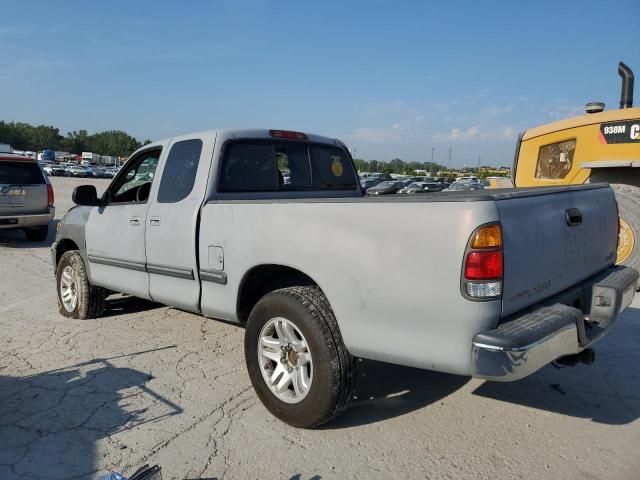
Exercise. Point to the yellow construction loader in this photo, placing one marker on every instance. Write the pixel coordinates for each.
(600, 146)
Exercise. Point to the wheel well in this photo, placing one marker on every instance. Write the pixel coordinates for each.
(263, 279)
(622, 175)
(64, 246)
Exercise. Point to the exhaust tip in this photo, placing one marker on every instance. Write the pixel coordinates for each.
(626, 93)
(594, 107)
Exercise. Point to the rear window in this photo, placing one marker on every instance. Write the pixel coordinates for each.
(285, 166)
(21, 173)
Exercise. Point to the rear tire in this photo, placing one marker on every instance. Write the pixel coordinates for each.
(628, 198)
(37, 234)
(333, 370)
(77, 298)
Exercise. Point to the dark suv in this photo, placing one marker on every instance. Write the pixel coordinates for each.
(26, 197)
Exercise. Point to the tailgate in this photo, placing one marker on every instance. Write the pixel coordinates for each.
(23, 188)
(23, 199)
(554, 239)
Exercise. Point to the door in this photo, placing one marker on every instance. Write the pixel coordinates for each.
(172, 222)
(115, 231)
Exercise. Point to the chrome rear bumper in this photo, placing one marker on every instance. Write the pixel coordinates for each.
(29, 220)
(528, 340)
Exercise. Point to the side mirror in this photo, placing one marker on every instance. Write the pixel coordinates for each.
(85, 195)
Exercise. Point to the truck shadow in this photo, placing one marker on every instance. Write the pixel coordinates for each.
(120, 304)
(17, 239)
(606, 392)
(51, 422)
(386, 391)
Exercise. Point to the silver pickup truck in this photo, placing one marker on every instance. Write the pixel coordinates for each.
(269, 229)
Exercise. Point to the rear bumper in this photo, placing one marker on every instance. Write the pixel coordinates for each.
(24, 221)
(528, 340)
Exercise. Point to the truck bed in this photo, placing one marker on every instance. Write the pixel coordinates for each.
(486, 195)
(391, 265)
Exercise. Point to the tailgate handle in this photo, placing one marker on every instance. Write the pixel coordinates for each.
(574, 217)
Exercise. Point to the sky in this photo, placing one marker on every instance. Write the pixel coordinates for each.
(405, 79)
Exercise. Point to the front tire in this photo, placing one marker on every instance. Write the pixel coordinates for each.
(296, 359)
(77, 298)
(628, 198)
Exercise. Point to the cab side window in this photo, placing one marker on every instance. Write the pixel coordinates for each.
(179, 172)
(134, 185)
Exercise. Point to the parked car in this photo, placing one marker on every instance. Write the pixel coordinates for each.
(103, 172)
(421, 187)
(26, 197)
(386, 188)
(408, 181)
(463, 186)
(368, 183)
(77, 171)
(381, 176)
(467, 179)
(218, 234)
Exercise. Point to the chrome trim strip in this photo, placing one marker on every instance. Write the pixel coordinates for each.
(114, 262)
(185, 273)
(213, 276)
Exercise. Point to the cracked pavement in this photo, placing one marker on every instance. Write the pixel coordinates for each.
(152, 384)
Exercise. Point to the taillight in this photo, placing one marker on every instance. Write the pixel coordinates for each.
(484, 264)
(50, 197)
(287, 134)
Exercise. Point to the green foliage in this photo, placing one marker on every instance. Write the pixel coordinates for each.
(396, 166)
(23, 136)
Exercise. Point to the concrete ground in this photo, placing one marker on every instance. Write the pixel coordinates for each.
(151, 384)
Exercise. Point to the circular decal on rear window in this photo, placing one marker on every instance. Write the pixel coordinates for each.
(336, 166)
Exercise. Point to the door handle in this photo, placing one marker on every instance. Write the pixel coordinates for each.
(134, 220)
(574, 217)
(155, 221)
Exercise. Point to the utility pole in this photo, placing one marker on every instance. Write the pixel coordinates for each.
(428, 171)
(449, 158)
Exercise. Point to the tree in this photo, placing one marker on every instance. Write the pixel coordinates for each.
(361, 165)
(23, 136)
(76, 142)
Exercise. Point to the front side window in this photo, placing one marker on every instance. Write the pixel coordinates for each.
(179, 172)
(555, 160)
(134, 185)
(264, 166)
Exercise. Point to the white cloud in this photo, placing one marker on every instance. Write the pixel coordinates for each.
(559, 111)
(394, 133)
(495, 110)
(476, 133)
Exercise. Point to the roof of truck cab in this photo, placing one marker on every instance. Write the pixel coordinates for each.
(251, 133)
(582, 120)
